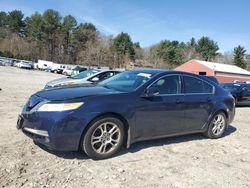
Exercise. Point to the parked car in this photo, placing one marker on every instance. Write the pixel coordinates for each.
(246, 93)
(43, 64)
(67, 71)
(54, 67)
(132, 106)
(86, 77)
(25, 64)
(77, 70)
(60, 69)
(35, 65)
(5, 62)
(16, 63)
(2, 63)
(70, 69)
(239, 91)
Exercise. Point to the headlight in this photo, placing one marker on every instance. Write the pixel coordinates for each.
(59, 107)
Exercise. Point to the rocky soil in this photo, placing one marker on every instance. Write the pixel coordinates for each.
(185, 161)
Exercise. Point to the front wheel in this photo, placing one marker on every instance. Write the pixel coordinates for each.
(103, 138)
(217, 126)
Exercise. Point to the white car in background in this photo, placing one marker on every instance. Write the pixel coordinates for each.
(25, 64)
(43, 64)
(67, 71)
(71, 71)
(91, 76)
(54, 67)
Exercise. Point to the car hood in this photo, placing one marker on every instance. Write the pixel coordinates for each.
(66, 82)
(59, 81)
(72, 93)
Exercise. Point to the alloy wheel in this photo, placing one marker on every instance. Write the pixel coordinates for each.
(105, 138)
(219, 124)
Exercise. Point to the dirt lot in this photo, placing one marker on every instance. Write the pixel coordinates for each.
(186, 161)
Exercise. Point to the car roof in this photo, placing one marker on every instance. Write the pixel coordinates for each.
(150, 71)
(233, 83)
(162, 72)
(228, 83)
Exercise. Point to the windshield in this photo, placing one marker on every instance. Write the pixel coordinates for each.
(126, 81)
(85, 74)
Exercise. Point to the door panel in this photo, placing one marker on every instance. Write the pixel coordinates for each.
(198, 102)
(159, 116)
(197, 110)
(163, 114)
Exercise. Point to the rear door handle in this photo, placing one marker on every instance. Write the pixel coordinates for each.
(179, 101)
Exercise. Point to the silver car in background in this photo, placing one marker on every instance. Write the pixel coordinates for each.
(91, 76)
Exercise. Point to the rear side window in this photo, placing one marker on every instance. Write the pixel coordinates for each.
(168, 85)
(194, 85)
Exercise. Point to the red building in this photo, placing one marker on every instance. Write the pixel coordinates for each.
(223, 72)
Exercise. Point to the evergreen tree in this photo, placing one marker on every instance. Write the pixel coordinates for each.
(207, 48)
(15, 21)
(123, 46)
(239, 55)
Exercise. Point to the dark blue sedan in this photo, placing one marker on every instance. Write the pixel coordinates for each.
(239, 90)
(132, 106)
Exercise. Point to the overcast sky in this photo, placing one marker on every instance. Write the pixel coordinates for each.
(148, 22)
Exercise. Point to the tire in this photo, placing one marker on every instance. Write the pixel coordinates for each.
(99, 142)
(217, 126)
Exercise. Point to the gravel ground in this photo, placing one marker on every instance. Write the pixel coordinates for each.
(185, 161)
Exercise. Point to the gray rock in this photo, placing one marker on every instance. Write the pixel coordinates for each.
(120, 170)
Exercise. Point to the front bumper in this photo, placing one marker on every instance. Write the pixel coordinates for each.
(36, 132)
(57, 130)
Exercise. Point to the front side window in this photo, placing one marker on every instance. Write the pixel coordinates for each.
(194, 85)
(168, 85)
(85, 74)
(103, 76)
(207, 88)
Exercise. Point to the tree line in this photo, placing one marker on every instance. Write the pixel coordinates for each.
(50, 36)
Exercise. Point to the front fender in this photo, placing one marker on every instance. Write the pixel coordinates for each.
(124, 108)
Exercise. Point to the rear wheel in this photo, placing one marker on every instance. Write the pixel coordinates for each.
(217, 126)
(103, 138)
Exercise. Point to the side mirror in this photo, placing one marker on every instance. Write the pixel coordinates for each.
(95, 79)
(151, 92)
